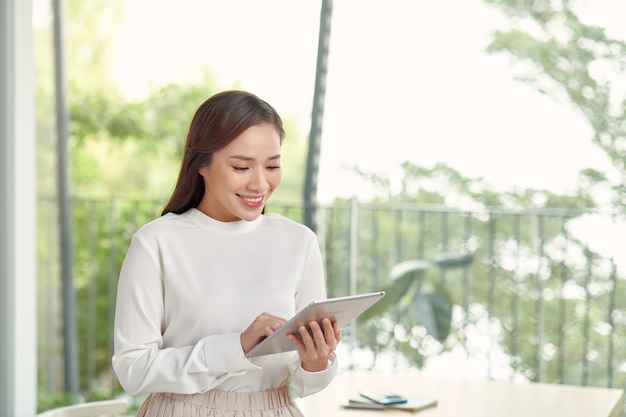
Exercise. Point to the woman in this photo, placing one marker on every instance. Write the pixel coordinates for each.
(213, 276)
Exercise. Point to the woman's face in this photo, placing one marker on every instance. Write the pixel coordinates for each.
(242, 175)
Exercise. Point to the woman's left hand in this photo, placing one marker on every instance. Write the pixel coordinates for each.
(316, 345)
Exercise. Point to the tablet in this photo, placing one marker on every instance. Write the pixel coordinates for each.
(341, 310)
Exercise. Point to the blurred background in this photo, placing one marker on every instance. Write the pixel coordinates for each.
(468, 156)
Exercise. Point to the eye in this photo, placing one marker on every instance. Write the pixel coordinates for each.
(273, 167)
(240, 169)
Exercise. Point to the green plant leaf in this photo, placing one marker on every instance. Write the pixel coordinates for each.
(405, 274)
(435, 313)
(454, 260)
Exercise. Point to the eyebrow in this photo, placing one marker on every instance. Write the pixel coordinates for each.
(249, 158)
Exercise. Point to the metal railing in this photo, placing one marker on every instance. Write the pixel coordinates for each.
(536, 294)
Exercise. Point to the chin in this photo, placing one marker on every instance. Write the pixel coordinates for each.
(250, 216)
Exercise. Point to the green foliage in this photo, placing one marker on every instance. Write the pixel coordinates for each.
(557, 54)
(129, 148)
(293, 165)
(405, 296)
(47, 401)
(435, 312)
(441, 184)
(93, 113)
(120, 147)
(103, 232)
(407, 274)
(473, 261)
(90, 30)
(410, 301)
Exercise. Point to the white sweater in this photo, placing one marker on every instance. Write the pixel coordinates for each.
(189, 286)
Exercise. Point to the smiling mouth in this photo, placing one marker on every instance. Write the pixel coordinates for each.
(252, 202)
(252, 199)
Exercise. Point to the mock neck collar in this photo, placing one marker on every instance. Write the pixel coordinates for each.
(227, 228)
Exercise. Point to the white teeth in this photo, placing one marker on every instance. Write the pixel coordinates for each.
(253, 200)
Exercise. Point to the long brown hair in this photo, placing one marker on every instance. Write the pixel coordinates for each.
(216, 123)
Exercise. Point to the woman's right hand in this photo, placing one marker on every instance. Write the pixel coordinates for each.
(263, 325)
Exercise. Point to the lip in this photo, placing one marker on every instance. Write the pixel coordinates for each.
(252, 201)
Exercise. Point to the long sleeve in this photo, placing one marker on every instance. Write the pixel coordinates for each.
(189, 286)
(140, 361)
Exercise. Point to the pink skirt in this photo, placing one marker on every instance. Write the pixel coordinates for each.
(272, 403)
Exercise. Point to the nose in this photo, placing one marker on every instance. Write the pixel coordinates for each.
(258, 183)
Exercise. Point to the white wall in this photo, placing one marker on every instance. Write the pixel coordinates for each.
(18, 350)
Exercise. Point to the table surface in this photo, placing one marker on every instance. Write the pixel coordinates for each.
(465, 398)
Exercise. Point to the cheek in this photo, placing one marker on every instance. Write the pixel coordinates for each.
(276, 179)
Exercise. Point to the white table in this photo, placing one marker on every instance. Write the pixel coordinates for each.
(466, 398)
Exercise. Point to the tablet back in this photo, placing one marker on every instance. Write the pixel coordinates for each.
(341, 310)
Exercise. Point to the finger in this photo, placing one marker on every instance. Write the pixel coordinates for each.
(275, 324)
(268, 330)
(296, 341)
(328, 333)
(337, 331)
(307, 340)
(318, 334)
(329, 330)
(266, 317)
(271, 326)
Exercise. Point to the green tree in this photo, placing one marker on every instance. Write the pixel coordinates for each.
(505, 261)
(557, 54)
(578, 65)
